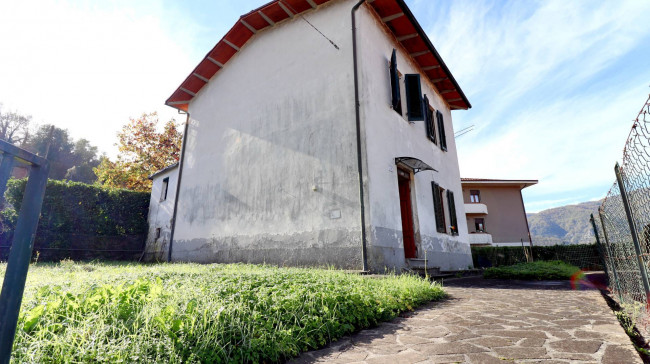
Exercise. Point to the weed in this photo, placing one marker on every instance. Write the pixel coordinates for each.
(540, 270)
(99, 312)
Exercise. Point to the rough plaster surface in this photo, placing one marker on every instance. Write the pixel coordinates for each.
(493, 322)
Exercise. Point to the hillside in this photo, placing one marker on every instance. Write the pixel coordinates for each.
(563, 224)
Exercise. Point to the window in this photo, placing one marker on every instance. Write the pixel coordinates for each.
(414, 109)
(394, 84)
(441, 130)
(474, 196)
(451, 203)
(479, 225)
(429, 120)
(163, 192)
(437, 207)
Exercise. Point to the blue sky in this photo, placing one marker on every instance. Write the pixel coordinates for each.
(554, 85)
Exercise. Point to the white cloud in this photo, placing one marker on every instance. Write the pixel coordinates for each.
(548, 101)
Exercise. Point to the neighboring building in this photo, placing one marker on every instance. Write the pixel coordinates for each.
(277, 145)
(495, 211)
(161, 207)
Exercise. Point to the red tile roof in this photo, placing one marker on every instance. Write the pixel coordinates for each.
(394, 13)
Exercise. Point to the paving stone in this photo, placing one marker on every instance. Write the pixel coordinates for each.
(386, 349)
(492, 342)
(532, 342)
(615, 354)
(521, 353)
(412, 339)
(403, 357)
(449, 348)
(576, 346)
(486, 321)
(482, 358)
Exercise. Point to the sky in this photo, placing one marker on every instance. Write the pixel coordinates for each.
(554, 85)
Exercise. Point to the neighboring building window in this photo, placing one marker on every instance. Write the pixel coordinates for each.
(438, 208)
(474, 196)
(394, 84)
(163, 192)
(479, 224)
(441, 130)
(451, 203)
(414, 109)
(429, 120)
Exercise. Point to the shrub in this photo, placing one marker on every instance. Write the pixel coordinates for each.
(584, 256)
(74, 215)
(539, 271)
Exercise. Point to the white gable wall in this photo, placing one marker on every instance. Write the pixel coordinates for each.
(388, 135)
(269, 173)
(160, 215)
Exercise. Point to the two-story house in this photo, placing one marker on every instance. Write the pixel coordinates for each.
(319, 132)
(495, 211)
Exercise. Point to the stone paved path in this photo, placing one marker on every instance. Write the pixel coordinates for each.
(487, 321)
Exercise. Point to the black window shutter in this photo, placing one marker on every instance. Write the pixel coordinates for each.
(413, 97)
(437, 207)
(452, 213)
(441, 131)
(394, 84)
(428, 120)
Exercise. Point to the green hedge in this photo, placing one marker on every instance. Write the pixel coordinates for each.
(77, 216)
(584, 256)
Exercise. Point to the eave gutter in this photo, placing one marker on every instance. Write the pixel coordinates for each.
(178, 189)
(357, 111)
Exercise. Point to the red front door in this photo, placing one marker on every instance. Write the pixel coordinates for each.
(404, 179)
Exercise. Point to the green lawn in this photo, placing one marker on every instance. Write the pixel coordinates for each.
(540, 270)
(111, 312)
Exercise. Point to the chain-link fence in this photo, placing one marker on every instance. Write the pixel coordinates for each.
(623, 224)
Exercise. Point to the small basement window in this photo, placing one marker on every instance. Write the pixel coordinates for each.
(474, 196)
(165, 186)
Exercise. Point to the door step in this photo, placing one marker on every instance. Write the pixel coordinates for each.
(415, 263)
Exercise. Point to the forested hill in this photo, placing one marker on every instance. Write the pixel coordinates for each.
(568, 224)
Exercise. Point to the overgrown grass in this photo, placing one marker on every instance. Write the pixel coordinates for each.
(76, 312)
(540, 270)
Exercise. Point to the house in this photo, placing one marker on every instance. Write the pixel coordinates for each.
(161, 207)
(495, 211)
(319, 132)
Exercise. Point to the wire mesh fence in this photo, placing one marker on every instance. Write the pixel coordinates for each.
(623, 224)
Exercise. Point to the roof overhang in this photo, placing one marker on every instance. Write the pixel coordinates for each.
(521, 183)
(414, 164)
(168, 168)
(395, 14)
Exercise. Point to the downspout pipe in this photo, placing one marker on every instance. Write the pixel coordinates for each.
(178, 189)
(357, 107)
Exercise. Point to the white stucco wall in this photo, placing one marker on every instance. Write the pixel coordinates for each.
(160, 215)
(388, 135)
(270, 168)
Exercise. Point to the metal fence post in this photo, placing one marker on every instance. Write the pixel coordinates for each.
(13, 285)
(6, 166)
(635, 238)
(610, 254)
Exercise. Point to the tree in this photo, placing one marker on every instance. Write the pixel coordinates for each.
(14, 127)
(68, 159)
(143, 151)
